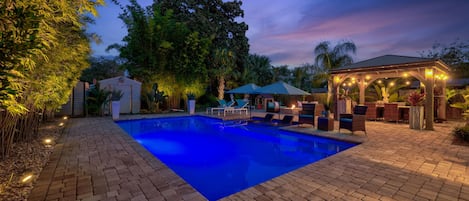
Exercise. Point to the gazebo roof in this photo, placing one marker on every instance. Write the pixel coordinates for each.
(390, 62)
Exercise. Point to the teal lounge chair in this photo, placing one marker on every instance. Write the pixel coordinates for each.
(241, 107)
(222, 107)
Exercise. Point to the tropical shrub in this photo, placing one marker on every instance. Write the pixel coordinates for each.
(416, 98)
(96, 100)
(462, 133)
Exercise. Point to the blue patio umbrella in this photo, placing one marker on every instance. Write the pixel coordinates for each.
(281, 88)
(245, 89)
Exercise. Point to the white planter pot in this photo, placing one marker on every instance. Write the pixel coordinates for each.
(416, 117)
(191, 106)
(116, 107)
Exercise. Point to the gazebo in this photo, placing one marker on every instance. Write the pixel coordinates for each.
(430, 72)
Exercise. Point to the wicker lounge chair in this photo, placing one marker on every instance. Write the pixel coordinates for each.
(354, 122)
(307, 113)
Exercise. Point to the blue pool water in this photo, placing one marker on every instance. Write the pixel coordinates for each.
(219, 159)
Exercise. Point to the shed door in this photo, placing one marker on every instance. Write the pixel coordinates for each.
(126, 100)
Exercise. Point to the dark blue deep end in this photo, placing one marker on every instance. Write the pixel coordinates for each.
(221, 158)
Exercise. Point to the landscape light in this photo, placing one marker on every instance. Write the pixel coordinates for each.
(405, 75)
(379, 81)
(48, 142)
(61, 124)
(27, 178)
(65, 117)
(391, 84)
(407, 83)
(367, 77)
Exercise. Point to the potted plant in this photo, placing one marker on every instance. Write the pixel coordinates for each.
(416, 110)
(191, 103)
(116, 96)
(327, 109)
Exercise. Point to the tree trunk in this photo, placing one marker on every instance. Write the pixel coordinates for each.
(221, 87)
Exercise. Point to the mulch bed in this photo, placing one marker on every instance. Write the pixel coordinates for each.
(27, 159)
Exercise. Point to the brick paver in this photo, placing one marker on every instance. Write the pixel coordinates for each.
(96, 160)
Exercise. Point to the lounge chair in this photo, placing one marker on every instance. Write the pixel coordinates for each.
(242, 106)
(287, 120)
(306, 115)
(222, 103)
(268, 117)
(222, 107)
(354, 122)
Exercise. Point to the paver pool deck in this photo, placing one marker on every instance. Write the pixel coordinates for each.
(96, 160)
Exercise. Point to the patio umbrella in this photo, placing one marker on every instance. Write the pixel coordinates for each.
(245, 89)
(281, 88)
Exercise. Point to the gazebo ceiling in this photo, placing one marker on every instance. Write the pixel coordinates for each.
(391, 63)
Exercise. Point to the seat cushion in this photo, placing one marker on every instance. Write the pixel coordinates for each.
(345, 120)
(306, 116)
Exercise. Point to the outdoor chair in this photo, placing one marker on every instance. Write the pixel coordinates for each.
(241, 107)
(223, 106)
(372, 111)
(222, 103)
(391, 112)
(354, 122)
(268, 117)
(306, 115)
(273, 107)
(287, 120)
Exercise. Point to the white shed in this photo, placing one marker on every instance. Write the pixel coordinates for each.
(131, 89)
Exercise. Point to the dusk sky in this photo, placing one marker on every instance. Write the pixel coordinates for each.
(287, 31)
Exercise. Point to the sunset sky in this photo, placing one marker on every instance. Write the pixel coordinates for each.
(288, 31)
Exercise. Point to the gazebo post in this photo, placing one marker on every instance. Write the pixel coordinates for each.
(442, 102)
(332, 93)
(429, 102)
(361, 86)
(335, 94)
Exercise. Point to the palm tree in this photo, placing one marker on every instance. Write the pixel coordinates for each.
(336, 57)
(329, 58)
(281, 73)
(300, 77)
(257, 69)
(224, 60)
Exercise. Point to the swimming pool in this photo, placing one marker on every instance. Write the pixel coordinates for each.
(221, 158)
